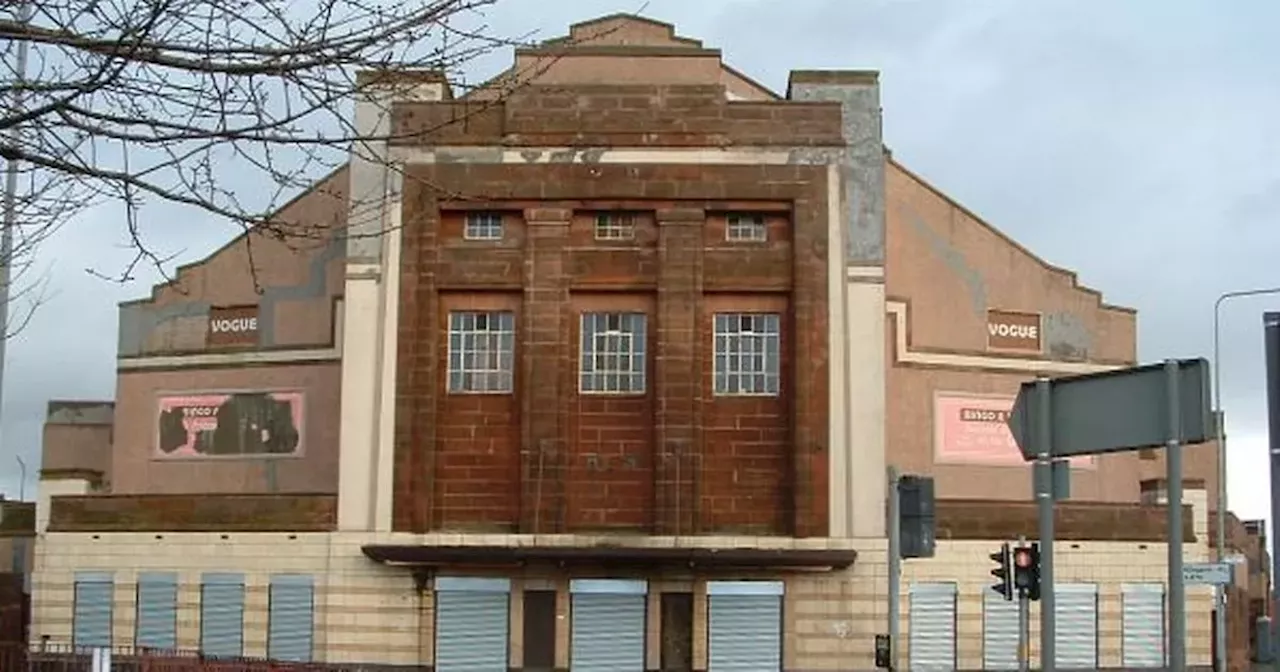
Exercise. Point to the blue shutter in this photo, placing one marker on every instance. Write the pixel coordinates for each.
(472, 623)
(608, 629)
(744, 626)
(222, 615)
(157, 611)
(91, 618)
(291, 618)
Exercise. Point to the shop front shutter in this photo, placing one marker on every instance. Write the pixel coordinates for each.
(608, 629)
(1143, 624)
(999, 632)
(291, 618)
(1077, 626)
(157, 611)
(91, 615)
(744, 626)
(932, 626)
(472, 624)
(222, 615)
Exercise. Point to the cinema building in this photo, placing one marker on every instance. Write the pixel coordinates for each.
(615, 388)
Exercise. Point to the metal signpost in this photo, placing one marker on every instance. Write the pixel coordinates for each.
(1117, 411)
(1271, 329)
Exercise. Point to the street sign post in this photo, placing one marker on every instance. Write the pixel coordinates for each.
(1207, 573)
(1116, 411)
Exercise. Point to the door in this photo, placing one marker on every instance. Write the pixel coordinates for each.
(472, 622)
(1077, 626)
(91, 615)
(222, 615)
(290, 618)
(608, 627)
(744, 626)
(1143, 629)
(157, 610)
(999, 632)
(931, 623)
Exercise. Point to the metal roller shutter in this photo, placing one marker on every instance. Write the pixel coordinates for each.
(1077, 626)
(91, 616)
(1143, 618)
(999, 632)
(222, 615)
(607, 634)
(932, 626)
(472, 621)
(744, 626)
(291, 617)
(157, 611)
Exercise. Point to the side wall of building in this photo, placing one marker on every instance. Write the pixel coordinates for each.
(972, 316)
(248, 338)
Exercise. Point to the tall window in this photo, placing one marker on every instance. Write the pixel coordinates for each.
(613, 353)
(747, 353)
(483, 226)
(746, 228)
(481, 351)
(615, 226)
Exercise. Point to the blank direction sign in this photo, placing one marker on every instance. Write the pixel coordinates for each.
(1115, 411)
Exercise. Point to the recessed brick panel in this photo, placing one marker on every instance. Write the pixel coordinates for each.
(672, 460)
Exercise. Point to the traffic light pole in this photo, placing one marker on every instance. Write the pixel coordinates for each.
(895, 566)
(1024, 625)
(1043, 481)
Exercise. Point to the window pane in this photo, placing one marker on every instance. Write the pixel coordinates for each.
(481, 351)
(612, 360)
(747, 353)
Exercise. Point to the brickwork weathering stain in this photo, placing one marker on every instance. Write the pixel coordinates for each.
(675, 457)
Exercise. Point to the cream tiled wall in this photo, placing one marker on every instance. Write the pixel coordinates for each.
(364, 611)
(832, 619)
(370, 613)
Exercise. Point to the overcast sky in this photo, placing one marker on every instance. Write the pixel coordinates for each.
(1134, 142)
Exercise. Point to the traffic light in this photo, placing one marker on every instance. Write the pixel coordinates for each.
(1026, 571)
(1002, 572)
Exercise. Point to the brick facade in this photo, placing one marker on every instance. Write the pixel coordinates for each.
(676, 459)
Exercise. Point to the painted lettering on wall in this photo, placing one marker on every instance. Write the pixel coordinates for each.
(240, 424)
(231, 326)
(1012, 330)
(973, 429)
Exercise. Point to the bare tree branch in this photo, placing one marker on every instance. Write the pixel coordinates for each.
(226, 108)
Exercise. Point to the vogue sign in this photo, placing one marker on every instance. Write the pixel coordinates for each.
(1009, 330)
(237, 325)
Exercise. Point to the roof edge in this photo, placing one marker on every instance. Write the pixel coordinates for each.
(1075, 278)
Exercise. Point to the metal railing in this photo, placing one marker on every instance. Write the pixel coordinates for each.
(66, 658)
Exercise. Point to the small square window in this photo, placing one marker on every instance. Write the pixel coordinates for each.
(615, 226)
(483, 226)
(746, 228)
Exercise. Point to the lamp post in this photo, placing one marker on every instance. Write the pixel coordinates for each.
(22, 474)
(1220, 612)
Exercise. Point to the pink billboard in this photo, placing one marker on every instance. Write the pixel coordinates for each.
(233, 424)
(973, 429)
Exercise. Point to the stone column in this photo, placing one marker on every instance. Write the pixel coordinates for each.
(678, 370)
(544, 351)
